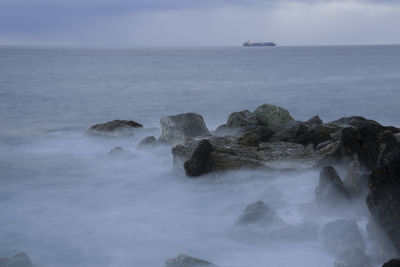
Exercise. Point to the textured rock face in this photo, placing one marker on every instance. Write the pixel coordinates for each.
(241, 119)
(392, 263)
(19, 260)
(179, 127)
(114, 128)
(384, 198)
(186, 261)
(330, 187)
(270, 115)
(200, 162)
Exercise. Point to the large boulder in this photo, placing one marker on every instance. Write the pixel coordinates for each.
(270, 115)
(200, 162)
(187, 261)
(19, 260)
(114, 128)
(384, 198)
(177, 128)
(240, 119)
(330, 187)
(259, 214)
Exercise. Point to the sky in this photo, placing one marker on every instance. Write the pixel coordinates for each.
(198, 22)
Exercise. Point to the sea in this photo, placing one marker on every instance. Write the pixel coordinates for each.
(66, 202)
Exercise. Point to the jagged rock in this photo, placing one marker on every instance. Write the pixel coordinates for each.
(228, 154)
(270, 115)
(200, 161)
(392, 263)
(384, 199)
(114, 128)
(19, 260)
(330, 187)
(249, 139)
(240, 119)
(147, 142)
(187, 261)
(341, 237)
(354, 257)
(315, 120)
(257, 213)
(177, 128)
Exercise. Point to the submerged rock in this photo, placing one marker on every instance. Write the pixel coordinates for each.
(187, 261)
(241, 119)
(392, 263)
(118, 151)
(114, 128)
(330, 187)
(257, 213)
(177, 128)
(148, 141)
(270, 115)
(200, 162)
(19, 260)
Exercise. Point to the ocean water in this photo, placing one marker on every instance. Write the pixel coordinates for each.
(66, 202)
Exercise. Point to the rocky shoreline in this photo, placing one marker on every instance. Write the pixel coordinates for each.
(367, 153)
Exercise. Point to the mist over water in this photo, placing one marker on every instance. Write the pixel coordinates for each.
(66, 202)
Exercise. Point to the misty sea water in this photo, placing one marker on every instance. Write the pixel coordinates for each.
(66, 202)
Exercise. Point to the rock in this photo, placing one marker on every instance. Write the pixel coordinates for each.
(147, 142)
(353, 258)
(240, 119)
(200, 161)
(118, 151)
(270, 115)
(259, 214)
(342, 236)
(315, 120)
(392, 263)
(330, 187)
(187, 261)
(114, 128)
(19, 260)
(249, 139)
(177, 128)
(264, 133)
(384, 198)
(352, 182)
(228, 154)
(397, 136)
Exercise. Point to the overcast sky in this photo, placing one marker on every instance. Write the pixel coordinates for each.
(198, 22)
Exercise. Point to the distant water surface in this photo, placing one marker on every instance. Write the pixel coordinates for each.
(66, 202)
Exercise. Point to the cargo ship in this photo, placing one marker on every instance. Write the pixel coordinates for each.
(248, 43)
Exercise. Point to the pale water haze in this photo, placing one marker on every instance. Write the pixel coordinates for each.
(66, 202)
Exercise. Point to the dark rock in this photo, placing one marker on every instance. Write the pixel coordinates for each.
(315, 120)
(249, 139)
(179, 127)
(330, 187)
(147, 142)
(270, 115)
(257, 214)
(200, 162)
(19, 260)
(114, 128)
(384, 198)
(240, 119)
(392, 263)
(342, 236)
(187, 261)
(264, 133)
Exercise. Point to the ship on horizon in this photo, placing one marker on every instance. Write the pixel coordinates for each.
(249, 43)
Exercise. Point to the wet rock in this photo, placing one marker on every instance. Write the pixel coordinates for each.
(249, 139)
(240, 119)
(330, 187)
(392, 263)
(200, 161)
(114, 128)
(384, 198)
(264, 133)
(342, 237)
(315, 120)
(228, 154)
(118, 151)
(148, 141)
(353, 258)
(19, 260)
(257, 213)
(380, 243)
(177, 128)
(352, 182)
(187, 261)
(270, 115)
